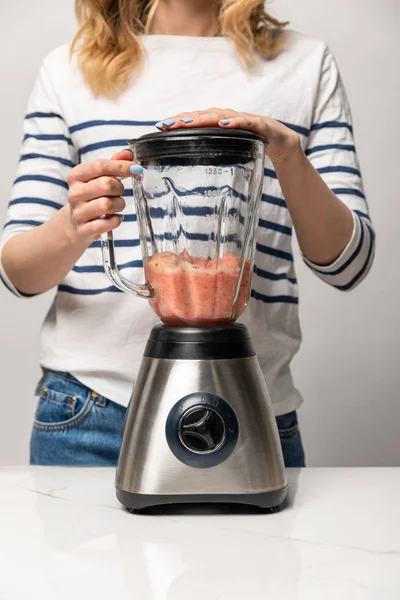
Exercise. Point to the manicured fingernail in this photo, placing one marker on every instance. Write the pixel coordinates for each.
(224, 121)
(169, 122)
(159, 125)
(121, 218)
(136, 169)
(187, 120)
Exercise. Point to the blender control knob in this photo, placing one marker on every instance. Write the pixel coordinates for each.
(202, 430)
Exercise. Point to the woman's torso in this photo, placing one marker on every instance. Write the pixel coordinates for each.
(98, 334)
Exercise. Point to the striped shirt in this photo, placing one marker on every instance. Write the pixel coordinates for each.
(96, 332)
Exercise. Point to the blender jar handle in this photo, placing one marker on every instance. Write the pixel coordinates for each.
(115, 276)
(113, 273)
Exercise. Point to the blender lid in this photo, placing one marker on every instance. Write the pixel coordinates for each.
(200, 132)
(203, 146)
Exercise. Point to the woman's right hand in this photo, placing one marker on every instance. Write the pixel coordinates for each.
(95, 195)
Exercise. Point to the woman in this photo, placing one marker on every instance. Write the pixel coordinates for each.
(136, 64)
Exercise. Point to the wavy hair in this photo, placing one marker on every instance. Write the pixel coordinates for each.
(109, 49)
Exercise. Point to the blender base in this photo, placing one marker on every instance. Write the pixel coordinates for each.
(200, 427)
(267, 501)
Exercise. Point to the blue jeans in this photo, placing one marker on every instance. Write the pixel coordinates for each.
(74, 426)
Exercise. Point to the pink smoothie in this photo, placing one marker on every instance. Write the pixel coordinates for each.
(193, 291)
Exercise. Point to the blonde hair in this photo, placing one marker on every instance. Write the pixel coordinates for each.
(109, 48)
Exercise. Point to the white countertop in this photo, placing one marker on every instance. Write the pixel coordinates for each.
(63, 535)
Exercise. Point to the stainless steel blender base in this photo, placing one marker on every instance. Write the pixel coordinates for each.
(201, 430)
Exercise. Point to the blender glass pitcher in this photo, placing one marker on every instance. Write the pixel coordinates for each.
(197, 206)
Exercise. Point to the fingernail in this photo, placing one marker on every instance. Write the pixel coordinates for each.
(160, 125)
(121, 217)
(102, 217)
(169, 122)
(187, 120)
(136, 169)
(224, 121)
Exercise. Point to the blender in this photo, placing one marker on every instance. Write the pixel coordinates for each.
(200, 425)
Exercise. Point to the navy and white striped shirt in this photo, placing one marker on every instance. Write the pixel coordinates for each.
(98, 334)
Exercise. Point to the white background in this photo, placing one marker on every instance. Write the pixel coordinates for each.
(348, 368)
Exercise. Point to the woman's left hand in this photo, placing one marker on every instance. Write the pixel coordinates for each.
(282, 141)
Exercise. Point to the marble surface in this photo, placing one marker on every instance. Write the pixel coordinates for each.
(63, 535)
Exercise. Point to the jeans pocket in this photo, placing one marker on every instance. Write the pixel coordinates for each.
(288, 425)
(63, 404)
(292, 446)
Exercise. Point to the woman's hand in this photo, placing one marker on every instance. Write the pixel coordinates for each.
(94, 196)
(323, 223)
(39, 259)
(282, 141)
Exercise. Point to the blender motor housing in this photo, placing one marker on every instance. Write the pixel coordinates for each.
(200, 426)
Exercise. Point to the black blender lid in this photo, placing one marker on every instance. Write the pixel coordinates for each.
(198, 146)
(200, 132)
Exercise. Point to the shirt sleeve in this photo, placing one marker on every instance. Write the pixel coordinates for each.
(331, 150)
(47, 155)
